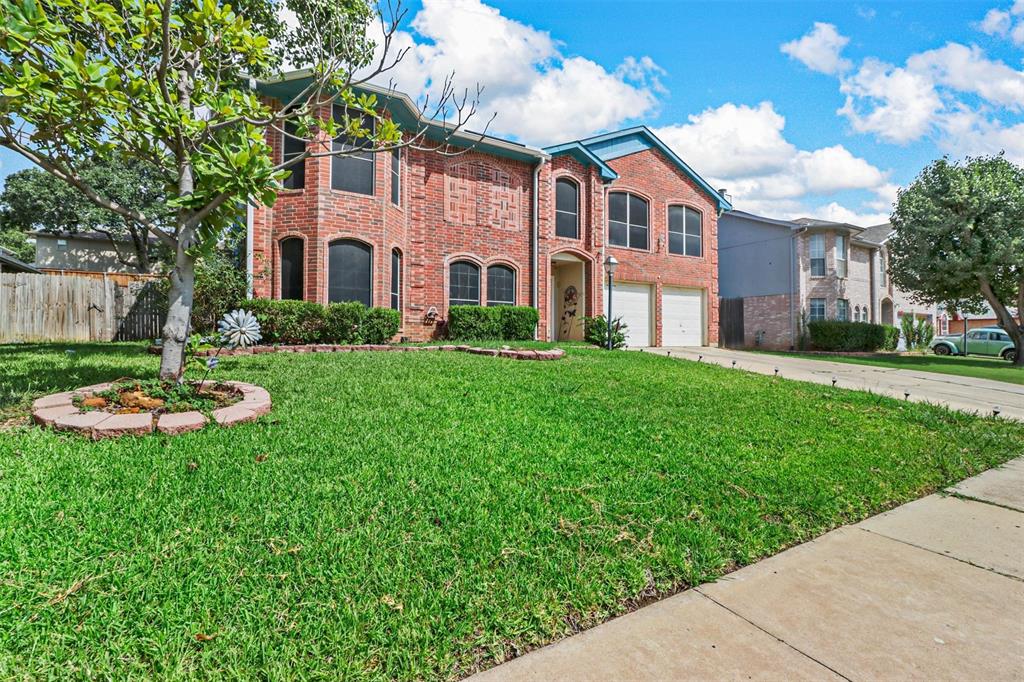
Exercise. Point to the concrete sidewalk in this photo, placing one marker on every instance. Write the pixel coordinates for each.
(959, 393)
(931, 590)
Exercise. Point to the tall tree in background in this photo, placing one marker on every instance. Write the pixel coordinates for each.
(169, 83)
(959, 235)
(34, 200)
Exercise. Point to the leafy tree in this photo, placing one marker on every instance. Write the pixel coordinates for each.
(170, 83)
(34, 200)
(959, 236)
(14, 240)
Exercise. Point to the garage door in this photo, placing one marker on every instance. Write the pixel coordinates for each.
(632, 302)
(682, 317)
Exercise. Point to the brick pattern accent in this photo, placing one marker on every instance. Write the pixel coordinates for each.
(478, 207)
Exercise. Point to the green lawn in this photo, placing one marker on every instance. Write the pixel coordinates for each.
(976, 366)
(425, 515)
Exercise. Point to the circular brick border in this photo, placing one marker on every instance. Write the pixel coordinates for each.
(59, 412)
(553, 354)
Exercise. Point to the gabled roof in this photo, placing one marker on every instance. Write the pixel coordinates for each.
(577, 150)
(614, 145)
(405, 112)
(10, 263)
(876, 234)
(762, 219)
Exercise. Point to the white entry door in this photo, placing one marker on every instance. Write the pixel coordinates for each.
(682, 317)
(632, 302)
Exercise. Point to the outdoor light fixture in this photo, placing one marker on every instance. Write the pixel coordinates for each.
(995, 411)
(834, 380)
(700, 358)
(906, 395)
(610, 263)
(776, 371)
(734, 364)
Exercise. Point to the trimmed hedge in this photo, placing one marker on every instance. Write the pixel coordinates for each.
(301, 322)
(504, 323)
(834, 335)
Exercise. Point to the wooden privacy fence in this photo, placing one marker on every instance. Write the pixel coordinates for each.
(730, 322)
(77, 307)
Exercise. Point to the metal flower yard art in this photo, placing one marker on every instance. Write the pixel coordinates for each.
(239, 329)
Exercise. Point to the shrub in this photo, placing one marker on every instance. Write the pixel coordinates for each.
(467, 322)
(289, 322)
(907, 328)
(220, 286)
(379, 324)
(835, 335)
(892, 337)
(342, 322)
(595, 331)
(924, 332)
(518, 323)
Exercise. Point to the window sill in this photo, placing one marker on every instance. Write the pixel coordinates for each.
(348, 192)
(683, 255)
(629, 248)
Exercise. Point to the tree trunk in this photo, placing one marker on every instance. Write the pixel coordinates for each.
(1006, 320)
(179, 311)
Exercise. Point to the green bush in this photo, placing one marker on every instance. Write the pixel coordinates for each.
(467, 322)
(380, 325)
(220, 288)
(518, 322)
(289, 322)
(302, 322)
(892, 337)
(595, 331)
(342, 322)
(835, 335)
(907, 328)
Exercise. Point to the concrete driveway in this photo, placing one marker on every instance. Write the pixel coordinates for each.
(932, 590)
(959, 393)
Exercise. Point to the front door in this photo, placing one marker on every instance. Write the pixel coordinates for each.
(568, 300)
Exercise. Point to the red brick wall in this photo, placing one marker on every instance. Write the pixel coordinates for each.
(772, 316)
(478, 207)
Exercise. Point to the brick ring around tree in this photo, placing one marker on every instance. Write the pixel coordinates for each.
(60, 412)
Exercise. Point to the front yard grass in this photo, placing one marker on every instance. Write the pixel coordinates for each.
(977, 366)
(425, 515)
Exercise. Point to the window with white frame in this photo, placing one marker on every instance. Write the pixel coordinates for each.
(627, 220)
(843, 310)
(841, 255)
(684, 231)
(817, 252)
(816, 309)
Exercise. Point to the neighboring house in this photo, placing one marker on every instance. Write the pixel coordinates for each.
(776, 270)
(8, 263)
(89, 251)
(952, 321)
(501, 224)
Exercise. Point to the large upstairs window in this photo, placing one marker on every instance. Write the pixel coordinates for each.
(817, 252)
(293, 146)
(628, 221)
(685, 231)
(842, 255)
(352, 172)
(567, 208)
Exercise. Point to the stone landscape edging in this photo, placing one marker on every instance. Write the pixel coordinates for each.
(59, 412)
(522, 354)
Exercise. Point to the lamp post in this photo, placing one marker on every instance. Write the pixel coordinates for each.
(610, 263)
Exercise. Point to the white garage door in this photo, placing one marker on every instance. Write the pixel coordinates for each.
(632, 302)
(682, 317)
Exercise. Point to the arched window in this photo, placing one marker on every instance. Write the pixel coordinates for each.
(463, 284)
(627, 220)
(856, 313)
(567, 208)
(292, 268)
(396, 279)
(685, 231)
(348, 272)
(501, 285)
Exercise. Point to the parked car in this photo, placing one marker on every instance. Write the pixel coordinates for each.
(982, 341)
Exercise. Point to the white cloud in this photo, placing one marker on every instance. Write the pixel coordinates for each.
(996, 23)
(743, 148)
(540, 94)
(820, 49)
(966, 69)
(896, 104)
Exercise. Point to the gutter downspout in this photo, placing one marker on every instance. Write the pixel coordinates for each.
(535, 246)
(792, 288)
(249, 213)
(874, 286)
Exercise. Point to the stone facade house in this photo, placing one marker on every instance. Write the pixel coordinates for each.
(778, 270)
(502, 223)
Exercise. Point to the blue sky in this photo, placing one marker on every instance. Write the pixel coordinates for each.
(820, 108)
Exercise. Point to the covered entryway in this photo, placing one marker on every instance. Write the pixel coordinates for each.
(887, 313)
(568, 297)
(682, 313)
(632, 302)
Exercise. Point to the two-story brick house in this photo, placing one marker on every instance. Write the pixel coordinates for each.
(502, 223)
(778, 270)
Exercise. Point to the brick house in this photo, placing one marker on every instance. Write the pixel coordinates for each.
(777, 269)
(502, 223)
